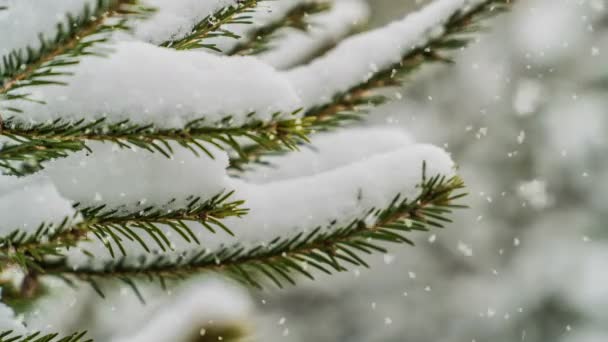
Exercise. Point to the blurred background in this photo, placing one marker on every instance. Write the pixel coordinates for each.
(525, 114)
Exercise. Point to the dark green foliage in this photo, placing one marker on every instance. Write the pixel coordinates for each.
(330, 249)
(260, 40)
(26, 249)
(24, 155)
(34, 144)
(80, 36)
(214, 26)
(252, 154)
(113, 227)
(9, 336)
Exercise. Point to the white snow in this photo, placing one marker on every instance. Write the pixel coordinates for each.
(371, 51)
(26, 203)
(176, 18)
(342, 194)
(126, 177)
(338, 194)
(265, 13)
(149, 84)
(293, 46)
(8, 321)
(328, 151)
(22, 22)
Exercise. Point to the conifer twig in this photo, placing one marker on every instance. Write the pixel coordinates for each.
(9, 336)
(326, 250)
(213, 26)
(259, 40)
(75, 39)
(31, 145)
(353, 103)
(113, 228)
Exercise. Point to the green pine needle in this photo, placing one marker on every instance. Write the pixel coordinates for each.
(113, 228)
(214, 26)
(79, 37)
(260, 40)
(9, 336)
(32, 145)
(356, 101)
(284, 259)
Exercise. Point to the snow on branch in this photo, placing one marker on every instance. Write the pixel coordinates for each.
(443, 25)
(112, 228)
(143, 83)
(26, 148)
(122, 195)
(133, 221)
(335, 92)
(79, 36)
(176, 19)
(267, 12)
(329, 150)
(214, 25)
(295, 18)
(9, 324)
(150, 85)
(384, 50)
(291, 46)
(280, 260)
(355, 196)
(21, 155)
(145, 96)
(29, 203)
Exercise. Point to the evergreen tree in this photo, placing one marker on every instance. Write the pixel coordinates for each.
(149, 143)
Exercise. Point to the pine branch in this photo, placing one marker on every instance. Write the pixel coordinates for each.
(212, 26)
(9, 336)
(113, 227)
(24, 156)
(253, 154)
(326, 250)
(78, 38)
(35, 144)
(456, 36)
(296, 18)
(356, 101)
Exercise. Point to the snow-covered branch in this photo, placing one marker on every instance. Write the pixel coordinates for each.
(323, 248)
(385, 58)
(79, 36)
